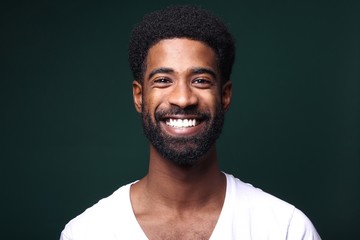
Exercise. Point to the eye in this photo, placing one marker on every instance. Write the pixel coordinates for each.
(202, 83)
(162, 82)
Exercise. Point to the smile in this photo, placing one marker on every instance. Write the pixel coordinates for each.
(181, 123)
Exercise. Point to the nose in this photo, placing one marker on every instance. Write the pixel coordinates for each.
(182, 96)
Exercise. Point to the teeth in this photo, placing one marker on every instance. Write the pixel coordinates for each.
(181, 123)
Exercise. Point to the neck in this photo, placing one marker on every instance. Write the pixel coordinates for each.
(181, 187)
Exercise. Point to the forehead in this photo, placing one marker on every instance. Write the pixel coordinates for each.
(180, 54)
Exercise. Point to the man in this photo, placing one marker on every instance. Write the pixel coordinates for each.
(181, 58)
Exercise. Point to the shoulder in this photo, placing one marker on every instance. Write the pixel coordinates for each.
(301, 226)
(265, 213)
(101, 218)
(253, 197)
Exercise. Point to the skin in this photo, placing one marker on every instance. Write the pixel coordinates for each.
(172, 201)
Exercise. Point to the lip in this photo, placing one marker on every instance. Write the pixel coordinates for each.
(181, 116)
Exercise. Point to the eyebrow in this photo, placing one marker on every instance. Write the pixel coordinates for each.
(160, 70)
(198, 70)
(202, 70)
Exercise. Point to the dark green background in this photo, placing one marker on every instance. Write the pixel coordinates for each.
(70, 134)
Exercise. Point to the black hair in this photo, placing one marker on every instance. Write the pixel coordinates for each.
(181, 22)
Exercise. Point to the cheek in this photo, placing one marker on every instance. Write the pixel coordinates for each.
(212, 101)
(150, 103)
(155, 99)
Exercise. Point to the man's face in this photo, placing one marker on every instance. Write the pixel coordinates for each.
(182, 100)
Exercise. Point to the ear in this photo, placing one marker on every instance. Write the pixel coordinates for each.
(226, 95)
(137, 95)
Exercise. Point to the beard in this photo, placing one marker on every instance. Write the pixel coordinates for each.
(183, 151)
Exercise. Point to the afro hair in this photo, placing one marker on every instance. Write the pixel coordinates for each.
(181, 22)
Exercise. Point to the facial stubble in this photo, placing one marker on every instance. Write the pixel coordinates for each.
(183, 151)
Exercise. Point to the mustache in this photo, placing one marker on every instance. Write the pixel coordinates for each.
(175, 110)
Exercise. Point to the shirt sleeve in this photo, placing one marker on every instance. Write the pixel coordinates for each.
(63, 236)
(301, 228)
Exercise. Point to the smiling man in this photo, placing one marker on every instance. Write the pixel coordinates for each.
(181, 58)
(182, 100)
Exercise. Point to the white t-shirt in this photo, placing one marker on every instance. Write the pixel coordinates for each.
(247, 213)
